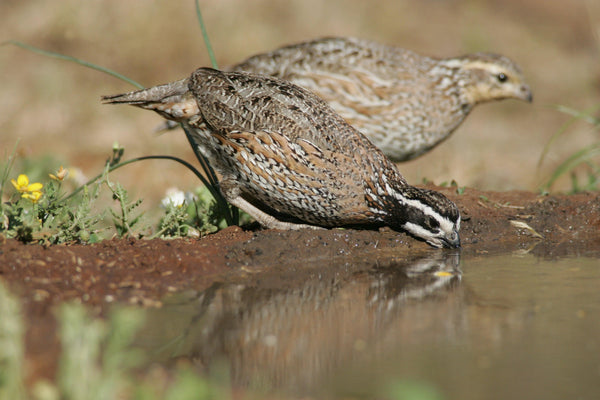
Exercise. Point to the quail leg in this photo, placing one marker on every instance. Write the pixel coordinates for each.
(265, 219)
(231, 192)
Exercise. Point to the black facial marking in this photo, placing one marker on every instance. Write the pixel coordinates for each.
(432, 224)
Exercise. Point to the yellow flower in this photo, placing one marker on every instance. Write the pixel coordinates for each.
(29, 191)
(21, 183)
(61, 174)
(33, 196)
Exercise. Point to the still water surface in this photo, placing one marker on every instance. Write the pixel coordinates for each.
(490, 327)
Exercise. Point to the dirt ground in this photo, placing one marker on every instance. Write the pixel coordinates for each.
(143, 272)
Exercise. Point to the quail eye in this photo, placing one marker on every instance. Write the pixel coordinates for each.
(502, 77)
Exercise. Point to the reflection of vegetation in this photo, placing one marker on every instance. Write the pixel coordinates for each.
(409, 390)
(97, 360)
(11, 347)
(586, 157)
(96, 354)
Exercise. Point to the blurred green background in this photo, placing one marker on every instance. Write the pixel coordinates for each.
(53, 107)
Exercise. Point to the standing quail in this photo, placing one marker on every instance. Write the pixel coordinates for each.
(288, 160)
(405, 103)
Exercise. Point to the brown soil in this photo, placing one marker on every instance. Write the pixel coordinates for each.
(143, 272)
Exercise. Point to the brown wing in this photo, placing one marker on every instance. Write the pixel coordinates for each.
(297, 178)
(246, 102)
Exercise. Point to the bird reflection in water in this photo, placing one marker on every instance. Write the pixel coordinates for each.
(292, 334)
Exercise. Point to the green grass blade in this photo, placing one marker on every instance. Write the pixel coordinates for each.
(7, 168)
(209, 49)
(582, 115)
(573, 161)
(124, 163)
(231, 215)
(74, 60)
(576, 116)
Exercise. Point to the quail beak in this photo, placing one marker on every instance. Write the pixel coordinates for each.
(450, 242)
(525, 93)
(453, 241)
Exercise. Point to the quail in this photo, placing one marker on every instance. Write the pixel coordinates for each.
(287, 159)
(405, 103)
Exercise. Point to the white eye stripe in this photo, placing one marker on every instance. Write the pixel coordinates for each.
(417, 230)
(424, 208)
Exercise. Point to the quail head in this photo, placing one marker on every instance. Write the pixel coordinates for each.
(287, 159)
(405, 103)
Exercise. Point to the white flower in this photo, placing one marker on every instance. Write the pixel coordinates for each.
(173, 196)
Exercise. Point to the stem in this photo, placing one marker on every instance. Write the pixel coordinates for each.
(209, 49)
(231, 217)
(73, 59)
(6, 172)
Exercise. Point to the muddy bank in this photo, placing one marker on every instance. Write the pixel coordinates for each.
(142, 271)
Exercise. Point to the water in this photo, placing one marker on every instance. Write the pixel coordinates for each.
(490, 327)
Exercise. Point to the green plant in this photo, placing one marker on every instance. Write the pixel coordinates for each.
(188, 215)
(177, 222)
(45, 214)
(586, 157)
(192, 214)
(459, 189)
(71, 221)
(41, 212)
(124, 220)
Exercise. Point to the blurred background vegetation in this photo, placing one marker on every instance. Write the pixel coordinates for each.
(52, 107)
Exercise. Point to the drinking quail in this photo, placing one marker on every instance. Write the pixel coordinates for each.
(405, 103)
(288, 160)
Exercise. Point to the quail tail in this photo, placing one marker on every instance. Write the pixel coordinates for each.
(172, 100)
